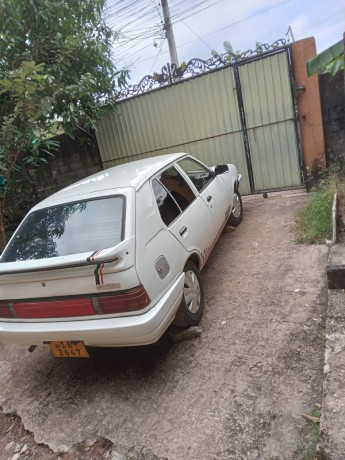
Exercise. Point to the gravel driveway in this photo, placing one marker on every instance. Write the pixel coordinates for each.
(237, 392)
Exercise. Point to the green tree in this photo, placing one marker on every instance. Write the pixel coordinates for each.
(55, 71)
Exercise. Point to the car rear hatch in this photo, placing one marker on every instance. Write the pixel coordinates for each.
(73, 260)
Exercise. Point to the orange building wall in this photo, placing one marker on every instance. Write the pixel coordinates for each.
(309, 105)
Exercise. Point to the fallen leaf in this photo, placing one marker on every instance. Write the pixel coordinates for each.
(311, 418)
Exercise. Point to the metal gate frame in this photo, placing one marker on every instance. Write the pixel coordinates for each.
(246, 142)
(171, 75)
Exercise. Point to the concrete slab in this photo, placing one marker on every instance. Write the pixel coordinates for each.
(332, 427)
(236, 392)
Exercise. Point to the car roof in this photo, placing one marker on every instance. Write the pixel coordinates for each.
(132, 174)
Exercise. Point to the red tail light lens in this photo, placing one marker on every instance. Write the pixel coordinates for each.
(133, 300)
(54, 309)
(5, 311)
(122, 302)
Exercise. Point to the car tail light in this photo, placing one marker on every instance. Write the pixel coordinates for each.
(54, 309)
(121, 302)
(133, 300)
(5, 311)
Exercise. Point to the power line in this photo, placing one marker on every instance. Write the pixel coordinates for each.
(196, 34)
(122, 15)
(132, 28)
(159, 51)
(225, 27)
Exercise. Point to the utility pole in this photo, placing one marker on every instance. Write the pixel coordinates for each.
(169, 32)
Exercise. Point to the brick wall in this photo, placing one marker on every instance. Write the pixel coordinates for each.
(309, 105)
(333, 114)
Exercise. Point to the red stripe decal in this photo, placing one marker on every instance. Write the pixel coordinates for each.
(96, 253)
(214, 242)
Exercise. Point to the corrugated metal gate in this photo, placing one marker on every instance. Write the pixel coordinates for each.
(270, 123)
(242, 114)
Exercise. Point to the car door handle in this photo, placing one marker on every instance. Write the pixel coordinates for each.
(209, 198)
(183, 231)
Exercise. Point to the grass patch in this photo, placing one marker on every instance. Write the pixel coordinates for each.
(314, 221)
(307, 451)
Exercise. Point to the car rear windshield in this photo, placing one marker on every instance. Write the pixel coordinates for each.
(72, 228)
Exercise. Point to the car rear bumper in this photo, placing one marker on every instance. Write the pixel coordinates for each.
(111, 332)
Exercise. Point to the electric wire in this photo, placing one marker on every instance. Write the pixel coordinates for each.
(132, 29)
(154, 63)
(197, 36)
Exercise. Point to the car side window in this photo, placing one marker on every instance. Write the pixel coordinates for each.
(177, 186)
(167, 207)
(198, 173)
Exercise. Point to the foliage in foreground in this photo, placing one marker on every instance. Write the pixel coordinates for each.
(55, 71)
(314, 221)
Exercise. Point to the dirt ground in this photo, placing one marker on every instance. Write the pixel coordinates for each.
(237, 392)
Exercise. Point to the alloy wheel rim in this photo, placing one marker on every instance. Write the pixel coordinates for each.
(192, 291)
(236, 210)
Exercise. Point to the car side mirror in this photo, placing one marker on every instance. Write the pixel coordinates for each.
(221, 169)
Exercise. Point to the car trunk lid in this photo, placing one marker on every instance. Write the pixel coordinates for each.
(103, 282)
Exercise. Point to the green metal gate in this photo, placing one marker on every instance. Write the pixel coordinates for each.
(242, 112)
(269, 122)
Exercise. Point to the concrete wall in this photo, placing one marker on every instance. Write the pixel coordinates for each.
(73, 161)
(332, 94)
(309, 105)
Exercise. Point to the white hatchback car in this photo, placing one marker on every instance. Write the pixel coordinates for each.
(114, 259)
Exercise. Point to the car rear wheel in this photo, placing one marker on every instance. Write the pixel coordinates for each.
(237, 210)
(192, 304)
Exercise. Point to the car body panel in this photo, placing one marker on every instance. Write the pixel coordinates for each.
(213, 196)
(153, 241)
(188, 231)
(135, 330)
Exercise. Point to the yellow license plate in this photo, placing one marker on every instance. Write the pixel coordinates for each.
(69, 349)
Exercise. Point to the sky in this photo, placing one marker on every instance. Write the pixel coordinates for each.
(202, 25)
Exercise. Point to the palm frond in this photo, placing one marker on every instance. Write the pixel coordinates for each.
(333, 54)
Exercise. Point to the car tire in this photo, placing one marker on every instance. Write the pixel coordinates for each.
(192, 304)
(237, 212)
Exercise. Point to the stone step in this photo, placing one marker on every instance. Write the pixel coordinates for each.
(336, 267)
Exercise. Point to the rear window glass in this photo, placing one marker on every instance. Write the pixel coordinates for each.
(72, 228)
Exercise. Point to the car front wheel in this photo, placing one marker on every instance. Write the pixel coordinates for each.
(192, 304)
(237, 210)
